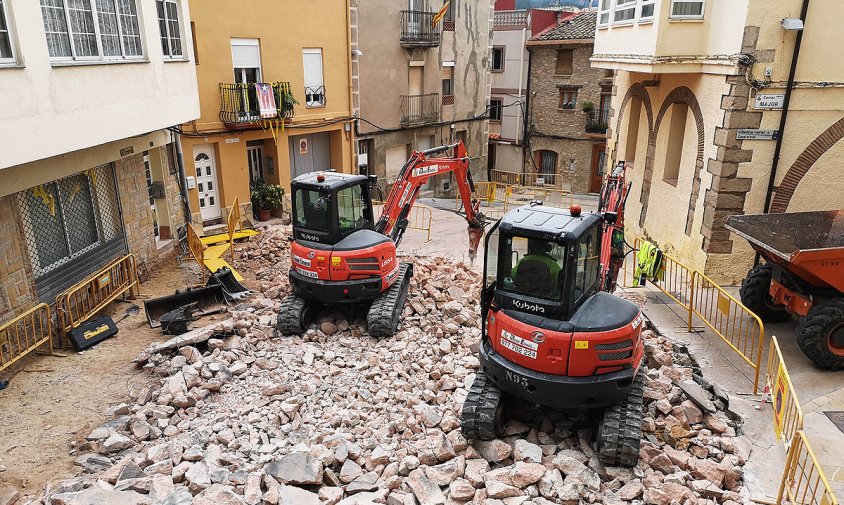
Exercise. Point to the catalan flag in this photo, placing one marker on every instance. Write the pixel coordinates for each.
(439, 15)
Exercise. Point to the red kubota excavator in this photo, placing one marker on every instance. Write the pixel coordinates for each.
(552, 334)
(340, 254)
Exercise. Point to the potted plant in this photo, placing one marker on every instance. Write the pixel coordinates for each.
(588, 107)
(265, 197)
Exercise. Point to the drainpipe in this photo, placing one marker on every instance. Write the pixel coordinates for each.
(784, 116)
(352, 150)
(526, 118)
(183, 182)
(521, 73)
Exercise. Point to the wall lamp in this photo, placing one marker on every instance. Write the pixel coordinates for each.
(792, 24)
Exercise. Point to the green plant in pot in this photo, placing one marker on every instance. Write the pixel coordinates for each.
(588, 107)
(266, 197)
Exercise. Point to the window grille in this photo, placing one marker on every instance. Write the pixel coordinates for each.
(71, 226)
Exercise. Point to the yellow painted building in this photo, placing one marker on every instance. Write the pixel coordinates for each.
(699, 92)
(306, 60)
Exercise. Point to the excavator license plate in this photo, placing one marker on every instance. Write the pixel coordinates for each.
(517, 348)
(307, 273)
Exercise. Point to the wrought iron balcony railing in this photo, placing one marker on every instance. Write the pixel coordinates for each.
(420, 109)
(598, 121)
(239, 102)
(416, 29)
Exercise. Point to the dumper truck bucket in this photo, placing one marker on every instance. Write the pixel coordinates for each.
(809, 244)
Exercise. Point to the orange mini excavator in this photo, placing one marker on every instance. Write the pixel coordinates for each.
(341, 254)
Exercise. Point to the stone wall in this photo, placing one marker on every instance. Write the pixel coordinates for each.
(563, 130)
(16, 288)
(137, 216)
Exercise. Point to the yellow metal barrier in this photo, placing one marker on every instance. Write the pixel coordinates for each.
(196, 248)
(233, 224)
(24, 334)
(420, 217)
(88, 297)
(737, 325)
(804, 480)
(505, 177)
(788, 416)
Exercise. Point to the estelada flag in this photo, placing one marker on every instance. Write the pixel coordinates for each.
(266, 100)
(439, 15)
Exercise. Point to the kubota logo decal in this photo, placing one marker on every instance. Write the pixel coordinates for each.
(311, 254)
(537, 337)
(533, 307)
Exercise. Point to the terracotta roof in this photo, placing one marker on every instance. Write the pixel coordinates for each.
(579, 27)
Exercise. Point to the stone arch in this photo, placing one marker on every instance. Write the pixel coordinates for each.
(638, 90)
(686, 96)
(804, 162)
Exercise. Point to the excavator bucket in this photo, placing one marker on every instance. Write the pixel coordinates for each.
(475, 236)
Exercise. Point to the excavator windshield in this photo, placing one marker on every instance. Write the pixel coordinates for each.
(533, 266)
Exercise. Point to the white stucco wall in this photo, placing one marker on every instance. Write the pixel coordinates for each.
(48, 110)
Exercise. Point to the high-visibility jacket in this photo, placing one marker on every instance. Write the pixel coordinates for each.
(649, 264)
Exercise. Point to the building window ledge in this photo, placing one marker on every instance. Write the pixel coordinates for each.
(176, 60)
(686, 20)
(672, 182)
(624, 23)
(648, 21)
(12, 64)
(566, 109)
(85, 63)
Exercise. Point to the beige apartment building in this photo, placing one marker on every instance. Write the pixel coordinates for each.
(87, 173)
(422, 85)
(700, 93)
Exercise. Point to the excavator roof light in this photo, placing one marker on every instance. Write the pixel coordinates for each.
(320, 177)
(575, 210)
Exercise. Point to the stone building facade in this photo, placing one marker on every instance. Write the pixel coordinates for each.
(568, 108)
(423, 85)
(688, 81)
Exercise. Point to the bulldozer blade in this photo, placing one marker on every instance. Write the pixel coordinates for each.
(475, 236)
(203, 296)
(232, 289)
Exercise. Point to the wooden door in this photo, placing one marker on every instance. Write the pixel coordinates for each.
(599, 163)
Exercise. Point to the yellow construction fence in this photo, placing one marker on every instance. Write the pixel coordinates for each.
(25, 333)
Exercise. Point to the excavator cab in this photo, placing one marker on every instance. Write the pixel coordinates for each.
(328, 206)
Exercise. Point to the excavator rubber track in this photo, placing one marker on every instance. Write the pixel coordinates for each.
(620, 432)
(482, 410)
(385, 311)
(294, 315)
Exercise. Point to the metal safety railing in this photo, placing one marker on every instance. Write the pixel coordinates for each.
(803, 480)
(505, 177)
(420, 217)
(788, 416)
(419, 109)
(90, 296)
(24, 334)
(239, 102)
(697, 294)
(737, 325)
(233, 223)
(490, 193)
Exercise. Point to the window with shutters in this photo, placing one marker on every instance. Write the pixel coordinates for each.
(88, 30)
(565, 59)
(314, 84)
(687, 9)
(568, 98)
(170, 29)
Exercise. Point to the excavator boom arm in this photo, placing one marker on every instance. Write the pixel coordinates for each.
(418, 169)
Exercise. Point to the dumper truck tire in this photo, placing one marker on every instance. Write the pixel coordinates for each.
(820, 335)
(756, 296)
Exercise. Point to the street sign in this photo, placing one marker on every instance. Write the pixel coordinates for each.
(744, 134)
(769, 102)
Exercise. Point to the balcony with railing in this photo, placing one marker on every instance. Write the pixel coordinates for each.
(597, 121)
(240, 104)
(416, 29)
(510, 19)
(420, 109)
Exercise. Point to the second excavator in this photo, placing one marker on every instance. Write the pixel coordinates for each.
(341, 255)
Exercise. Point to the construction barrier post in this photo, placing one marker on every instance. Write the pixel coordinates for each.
(692, 300)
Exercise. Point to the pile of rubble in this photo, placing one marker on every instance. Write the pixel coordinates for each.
(238, 415)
